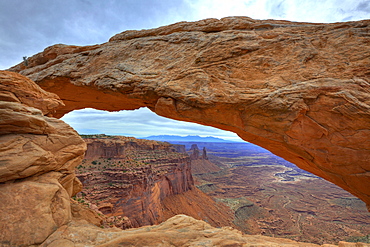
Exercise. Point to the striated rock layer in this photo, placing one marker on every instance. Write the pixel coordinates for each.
(144, 182)
(37, 163)
(125, 176)
(300, 90)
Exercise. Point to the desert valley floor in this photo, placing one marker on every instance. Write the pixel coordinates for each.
(273, 197)
(265, 194)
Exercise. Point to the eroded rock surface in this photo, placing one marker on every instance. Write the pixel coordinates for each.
(300, 90)
(199, 162)
(38, 158)
(143, 182)
(180, 230)
(129, 177)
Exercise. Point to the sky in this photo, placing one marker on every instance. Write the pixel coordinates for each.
(29, 26)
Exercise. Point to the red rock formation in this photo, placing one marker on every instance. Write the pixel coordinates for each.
(131, 177)
(146, 182)
(200, 163)
(300, 90)
(41, 153)
(102, 146)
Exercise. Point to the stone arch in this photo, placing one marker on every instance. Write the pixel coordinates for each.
(299, 90)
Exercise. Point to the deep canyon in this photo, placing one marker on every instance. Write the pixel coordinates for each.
(271, 196)
(300, 90)
(146, 182)
(249, 189)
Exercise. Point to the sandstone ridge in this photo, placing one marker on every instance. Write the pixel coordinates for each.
(300, 90)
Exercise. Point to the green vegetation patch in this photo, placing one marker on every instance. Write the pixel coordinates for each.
(363, 239)
(350, 202)
(236, 203)
(208, 187)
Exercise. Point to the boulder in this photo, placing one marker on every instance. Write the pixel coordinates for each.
(38, 158)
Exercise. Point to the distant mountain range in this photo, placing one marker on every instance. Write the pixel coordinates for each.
(189, 138)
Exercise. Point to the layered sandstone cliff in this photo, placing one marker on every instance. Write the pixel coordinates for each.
(300, 90)
(130, 177)
(143, 182)
(103, 146)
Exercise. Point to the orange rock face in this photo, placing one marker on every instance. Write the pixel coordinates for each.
(19, 89)
(38, 158)
(300, 90)
(180, 230)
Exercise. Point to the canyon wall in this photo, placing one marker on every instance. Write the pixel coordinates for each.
(130, 177)
(102, 146)
(146, 182)
(300, 90)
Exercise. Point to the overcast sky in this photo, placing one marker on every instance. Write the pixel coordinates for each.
(29, 26)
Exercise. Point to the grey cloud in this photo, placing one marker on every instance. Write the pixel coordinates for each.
(364, 6)
(27, 27)
(348, 18)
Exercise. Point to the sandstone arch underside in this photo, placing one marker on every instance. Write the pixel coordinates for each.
(300, 90)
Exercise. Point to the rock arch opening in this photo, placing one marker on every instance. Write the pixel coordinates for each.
(139, 123)
(254, 184)
(311, 124)
(297, 99)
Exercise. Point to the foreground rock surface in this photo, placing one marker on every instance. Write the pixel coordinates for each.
(180, 230)
(300, 90)
(38, 158)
